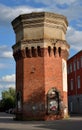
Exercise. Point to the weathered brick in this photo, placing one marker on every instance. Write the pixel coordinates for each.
(38, 53)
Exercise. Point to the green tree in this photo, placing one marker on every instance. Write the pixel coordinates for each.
(8, 99)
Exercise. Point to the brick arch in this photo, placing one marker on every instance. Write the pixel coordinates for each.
(53, 101)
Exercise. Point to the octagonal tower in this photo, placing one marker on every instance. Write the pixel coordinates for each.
(41, 53)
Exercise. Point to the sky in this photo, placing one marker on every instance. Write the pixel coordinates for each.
(10, 9)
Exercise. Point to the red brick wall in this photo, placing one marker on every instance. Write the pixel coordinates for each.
(19, 75)
(74, 74)
(35, 76)
(53, 73)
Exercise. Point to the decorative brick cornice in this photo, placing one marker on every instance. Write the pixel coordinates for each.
(32, 42)
(41, 52)
(40, 41)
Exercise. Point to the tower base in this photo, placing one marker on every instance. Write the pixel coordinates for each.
(45, 117)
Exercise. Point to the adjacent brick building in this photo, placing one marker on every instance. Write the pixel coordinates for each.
(41, 53)
(75, 83)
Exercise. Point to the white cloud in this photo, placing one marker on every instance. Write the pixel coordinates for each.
(73, 12)
(74, 38)
(5, 52)
(9, 13)
(3, 47)
(8, 78)
(3, 86)
(10, 86)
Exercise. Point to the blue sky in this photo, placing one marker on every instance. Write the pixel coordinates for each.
(9, 9)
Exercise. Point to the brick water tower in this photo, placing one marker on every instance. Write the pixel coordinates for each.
(41, 53)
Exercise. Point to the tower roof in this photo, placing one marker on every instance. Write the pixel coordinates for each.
(44, 24)
(34, 15)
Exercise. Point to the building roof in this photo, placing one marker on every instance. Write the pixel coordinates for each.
(80, 52)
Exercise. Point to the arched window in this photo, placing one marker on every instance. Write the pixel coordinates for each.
(54, 50)
(32, 51)
(59, 51)
(53, 101)
(27, 52)
(18, 98)
(49, 50)
(39, 50)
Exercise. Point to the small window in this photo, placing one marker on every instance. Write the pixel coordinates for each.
(71, 67)
(27, 52)
(81, 61)
(59, 51)
(74, 65)
(78, 64)
(32, 51)
(49, 50)
(54, 49)
(71, 84)
(78, 81)
(39, 51)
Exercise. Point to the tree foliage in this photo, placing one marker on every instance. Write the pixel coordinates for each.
(8, 99)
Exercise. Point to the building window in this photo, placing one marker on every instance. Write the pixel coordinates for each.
(71, 84)
(71, 67)
(78, 81)
(74, 65)
(78, 65)
(81, 61)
